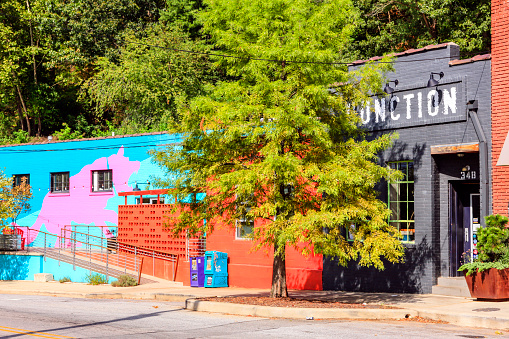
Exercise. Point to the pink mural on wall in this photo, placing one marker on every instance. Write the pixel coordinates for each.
(81, 205)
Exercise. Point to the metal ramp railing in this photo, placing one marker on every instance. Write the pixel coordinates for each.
(99, 254)
(195, 247)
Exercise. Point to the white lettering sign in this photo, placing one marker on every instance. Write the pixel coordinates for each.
(414, 107)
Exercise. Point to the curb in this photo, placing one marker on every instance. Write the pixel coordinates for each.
(343, 313)
(467, 320)
(298, 313)
(108, 295)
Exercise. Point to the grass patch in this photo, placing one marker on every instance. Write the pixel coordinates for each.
(64, 280)
(96, 279)
(124, 281)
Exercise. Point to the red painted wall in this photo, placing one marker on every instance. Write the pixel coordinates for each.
(499, 102)
(142, 225)
(254, 269)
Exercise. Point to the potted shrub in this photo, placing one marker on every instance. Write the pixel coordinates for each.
(488, 276)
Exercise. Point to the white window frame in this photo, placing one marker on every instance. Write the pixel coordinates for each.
(62, 186)
(102, 181)
(239, 225)
(242, 223)
(149, 200)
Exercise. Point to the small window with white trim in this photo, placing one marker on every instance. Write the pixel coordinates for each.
(60, 182)
(149, 200)
(245, 228)
(244, 224)
(102, 181)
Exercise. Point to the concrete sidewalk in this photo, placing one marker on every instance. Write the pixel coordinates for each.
(455, 310)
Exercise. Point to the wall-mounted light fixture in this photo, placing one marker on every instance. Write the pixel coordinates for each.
(432, 82)
(141, 183)
(388, 89)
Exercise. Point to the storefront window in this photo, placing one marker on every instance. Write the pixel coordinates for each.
(401, 200)
(244, 225)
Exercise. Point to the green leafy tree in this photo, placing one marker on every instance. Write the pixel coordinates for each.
(18, 52)
(13, 199)
(145, 86)
(49, 48)
(281, 145)
(392, 26)
(84, 30)
(183, 14)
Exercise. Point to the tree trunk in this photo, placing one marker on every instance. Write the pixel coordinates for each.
(20, 114)
(278, 289)
(24, 110)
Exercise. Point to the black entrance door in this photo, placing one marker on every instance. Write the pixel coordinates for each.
(460, 221)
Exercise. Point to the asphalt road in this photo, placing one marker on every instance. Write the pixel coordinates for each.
(54, 317)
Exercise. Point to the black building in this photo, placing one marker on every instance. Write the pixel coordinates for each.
(441, 110)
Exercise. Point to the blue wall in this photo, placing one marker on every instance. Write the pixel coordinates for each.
(23, 267)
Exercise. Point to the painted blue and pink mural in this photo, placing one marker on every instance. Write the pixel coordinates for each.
(126, 156)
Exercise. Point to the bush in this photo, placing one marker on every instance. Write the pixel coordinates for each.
(493, 240)
(64, 280)
(492, 245)
(67, 134)
(124, 281)
(96, 279)
(20, 137)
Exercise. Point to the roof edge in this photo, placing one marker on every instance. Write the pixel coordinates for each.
(86, 139)
(407, 52)
(480, 57)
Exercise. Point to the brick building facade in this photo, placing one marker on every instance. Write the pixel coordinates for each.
(500, 104)
(444, 148)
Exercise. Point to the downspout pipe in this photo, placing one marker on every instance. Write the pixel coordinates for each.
(472, 107)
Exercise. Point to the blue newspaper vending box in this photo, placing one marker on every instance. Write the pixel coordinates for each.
(197, 270)
(216, 269)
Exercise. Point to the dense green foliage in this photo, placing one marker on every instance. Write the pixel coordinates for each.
(49, 51)
(145, 85)
(58, 58)
(492, 246)
(392, 26)
(277, 145)
(183, 14)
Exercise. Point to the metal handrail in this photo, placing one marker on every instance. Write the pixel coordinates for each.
(139, 248)
(195, 247)
(138, 251)
(98, 253)
(88, 227)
